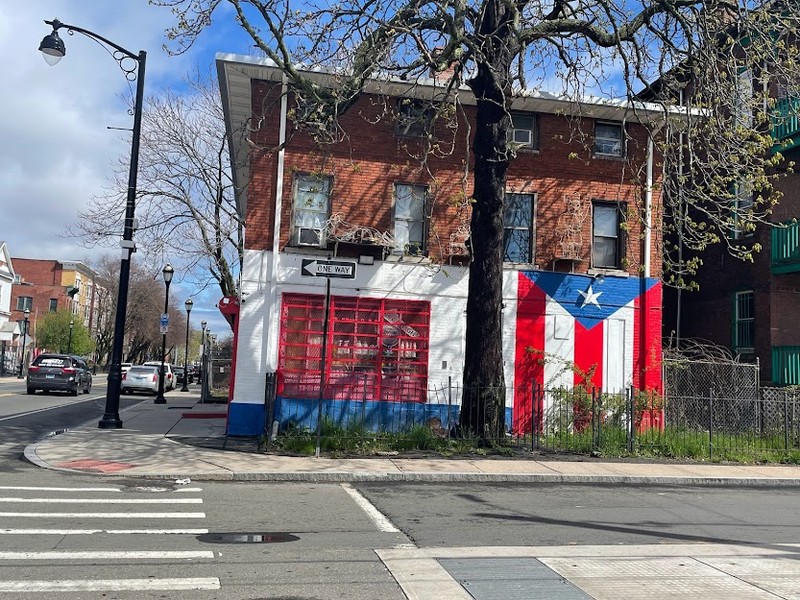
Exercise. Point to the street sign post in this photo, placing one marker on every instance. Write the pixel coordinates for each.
(341, 269)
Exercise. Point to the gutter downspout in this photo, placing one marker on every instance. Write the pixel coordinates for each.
(272, 300)
(644, 308)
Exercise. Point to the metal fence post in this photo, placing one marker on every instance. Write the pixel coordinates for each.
(711, 425)
(785, 420)
(534, 428)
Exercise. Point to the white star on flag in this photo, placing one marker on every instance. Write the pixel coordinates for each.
(590, 297)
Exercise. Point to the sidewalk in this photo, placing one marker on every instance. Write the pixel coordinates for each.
(149, 446)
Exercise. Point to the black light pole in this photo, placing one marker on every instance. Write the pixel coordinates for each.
(203, 362)
(69, 344)
(167, 271)
(188, 304)
(24, 335)
(53, 49)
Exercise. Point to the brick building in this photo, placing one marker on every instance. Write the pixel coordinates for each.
(43, 286)
(582, 296)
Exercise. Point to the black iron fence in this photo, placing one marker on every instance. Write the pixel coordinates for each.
(714, 426)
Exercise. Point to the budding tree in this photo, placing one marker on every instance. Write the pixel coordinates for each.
(501, 49)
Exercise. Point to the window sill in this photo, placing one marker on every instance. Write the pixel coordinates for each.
(608, 156)
(607, 271)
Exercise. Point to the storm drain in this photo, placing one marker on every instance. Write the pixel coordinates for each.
(510, 579)
(247, 538)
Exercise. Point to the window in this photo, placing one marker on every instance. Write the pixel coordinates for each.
(608, 240)
(524, 131)
(53, 305)
(414, 118)
(743, 103)
(744, 324)
(409, 219)
(743, 210)
(311, 209)
(24, 303)
(518, 225)
(608, 139)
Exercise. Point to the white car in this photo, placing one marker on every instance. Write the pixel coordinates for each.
(169, 376)
(140, 379)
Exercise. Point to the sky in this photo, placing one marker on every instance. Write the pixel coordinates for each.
(57, 151)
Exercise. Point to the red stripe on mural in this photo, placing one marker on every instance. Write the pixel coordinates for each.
(588, 357)
(529, 351)
(647, 349)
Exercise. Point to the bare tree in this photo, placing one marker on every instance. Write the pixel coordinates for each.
(502, 49)
(185, 204)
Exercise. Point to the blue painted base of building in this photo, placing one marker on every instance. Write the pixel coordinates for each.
(395, 417)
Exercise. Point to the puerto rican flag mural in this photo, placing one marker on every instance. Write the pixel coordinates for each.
(579, 330)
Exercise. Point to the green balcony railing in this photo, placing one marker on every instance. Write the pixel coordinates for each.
(786, 124)
(786, 365)
(785, 252)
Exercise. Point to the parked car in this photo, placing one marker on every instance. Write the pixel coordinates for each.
(125, 367)
(169, 376)
(140, 378)
(59, 372)
(179, 375)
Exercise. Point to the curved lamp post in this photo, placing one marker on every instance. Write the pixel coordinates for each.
(188, 304)
(53, 49)
(69, 344)
(167, 271)
(24, 335)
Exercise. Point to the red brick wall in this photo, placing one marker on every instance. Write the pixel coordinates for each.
(41, 280)
(372, 158)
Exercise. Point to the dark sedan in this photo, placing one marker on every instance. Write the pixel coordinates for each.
(59, 372)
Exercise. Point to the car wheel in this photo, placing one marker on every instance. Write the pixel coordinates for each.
(31, 390)
(88, 388)
(74, 392)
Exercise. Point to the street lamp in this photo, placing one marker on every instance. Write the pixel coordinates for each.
(69, 344)
(203, 362)
(188, 304)
(24, 334)
(53, 49)
(167, 271)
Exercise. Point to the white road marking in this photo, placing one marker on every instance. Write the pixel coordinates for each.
(381, 521)
(107, 555)
(184, 583)
(103, 500)
(185, 490)
(109, 531)
(186, 515)
(21, 488)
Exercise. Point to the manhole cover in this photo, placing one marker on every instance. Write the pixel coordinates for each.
(247, 538)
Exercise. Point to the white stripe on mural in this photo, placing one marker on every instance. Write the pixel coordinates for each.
(559, 345)
(614, 355)
(117, 585)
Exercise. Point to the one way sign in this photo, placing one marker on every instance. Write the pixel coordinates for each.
(328, 268)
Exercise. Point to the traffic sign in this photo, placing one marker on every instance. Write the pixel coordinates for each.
(164, 323)
(341, 269)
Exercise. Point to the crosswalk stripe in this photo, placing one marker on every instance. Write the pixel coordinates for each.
(109, 531)
(102, 500)
(184, 583)
(188, 490)
(107, 555)
(177, 515)
(21, 488)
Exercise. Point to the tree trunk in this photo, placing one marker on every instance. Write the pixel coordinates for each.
(483, 404)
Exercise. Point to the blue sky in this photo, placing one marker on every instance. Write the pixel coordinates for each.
(57, 150)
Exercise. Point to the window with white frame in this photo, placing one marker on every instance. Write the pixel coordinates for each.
(524, 131)
(743, 103)
(24, 303)
(608, 139)
(608, 239)
(743, 210)
(311, 209)
(518, 228)
(744, 322)
(53, 305)
(409, 219)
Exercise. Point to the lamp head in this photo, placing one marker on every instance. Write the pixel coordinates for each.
(52, 48)
(188, 304)
(71, 323)
(168, 272)
(27, 313)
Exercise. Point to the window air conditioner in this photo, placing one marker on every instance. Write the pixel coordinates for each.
(308, 236)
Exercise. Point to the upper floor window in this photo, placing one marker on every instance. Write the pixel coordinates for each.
(744, 97)
(743, 210)
(24, 303)
(53, 305)
(518, 228)
(524, 132)
(311, 209)
(409, 218)
(608, 236)
(744, 323)
(414, 117)
(608, 139)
